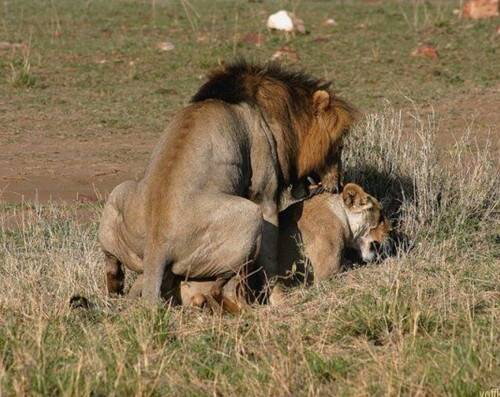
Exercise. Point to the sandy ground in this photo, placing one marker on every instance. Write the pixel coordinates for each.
(37, 164)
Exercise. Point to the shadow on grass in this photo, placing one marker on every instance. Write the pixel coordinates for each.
(392, 190)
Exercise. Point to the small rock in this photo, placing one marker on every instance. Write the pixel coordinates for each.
(299, 24)
(280, 21)
(330, 22)
(165, 46)
(286, 53)
(5, 45)
(286, 21)
(426, 51)
(321, 39)
(477, 9)
(254, 38)
(83, 198)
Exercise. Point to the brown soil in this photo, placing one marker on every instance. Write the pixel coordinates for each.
(477, 111)
(35, 164)
(63, 158)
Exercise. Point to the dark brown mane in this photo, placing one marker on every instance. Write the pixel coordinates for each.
(285, 98)
(239, 81)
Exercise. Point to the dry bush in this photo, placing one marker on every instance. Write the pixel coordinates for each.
(423, 322)
(431, 196)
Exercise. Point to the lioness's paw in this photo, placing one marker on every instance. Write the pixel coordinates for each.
(277, 296)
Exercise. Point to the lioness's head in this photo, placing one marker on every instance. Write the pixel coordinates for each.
(320, 148)
(366, 219)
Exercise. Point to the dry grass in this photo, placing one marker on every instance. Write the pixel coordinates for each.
(424, 322)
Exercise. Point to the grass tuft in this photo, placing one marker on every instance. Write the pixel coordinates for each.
(424, 321)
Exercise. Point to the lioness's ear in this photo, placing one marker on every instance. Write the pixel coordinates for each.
(321, 100)
(355, 197)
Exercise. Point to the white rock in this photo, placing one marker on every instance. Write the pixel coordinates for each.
(286, 21)
(165, 46)
(330, 22)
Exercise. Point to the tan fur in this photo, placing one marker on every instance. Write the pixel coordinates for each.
(215, 294)
(316, 230)
(319, 229)
(207, 206)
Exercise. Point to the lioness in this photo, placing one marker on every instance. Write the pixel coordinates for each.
(318, 231)
(207, 205)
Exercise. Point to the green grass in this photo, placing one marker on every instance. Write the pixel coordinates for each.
(423, 322)
(97, 60)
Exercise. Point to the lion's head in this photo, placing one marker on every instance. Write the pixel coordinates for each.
(307, 120)
(320, 150)
(366, 219)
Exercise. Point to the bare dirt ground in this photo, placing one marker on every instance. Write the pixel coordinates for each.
(42, 166)
(478, 110)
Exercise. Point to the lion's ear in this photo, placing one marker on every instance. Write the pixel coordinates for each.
(355, 197)
(321, 101)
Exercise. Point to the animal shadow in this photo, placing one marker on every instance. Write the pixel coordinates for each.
(392, 190)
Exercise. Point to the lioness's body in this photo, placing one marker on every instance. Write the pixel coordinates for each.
(319, 230)
(207, 205)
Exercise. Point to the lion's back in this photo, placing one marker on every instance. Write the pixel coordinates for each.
(206, 148)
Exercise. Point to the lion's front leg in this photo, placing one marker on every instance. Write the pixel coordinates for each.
(267, 259)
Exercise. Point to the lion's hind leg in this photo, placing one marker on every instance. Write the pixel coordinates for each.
(115, 276)
(136, 290)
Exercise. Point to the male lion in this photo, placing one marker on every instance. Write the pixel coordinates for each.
(207, 206)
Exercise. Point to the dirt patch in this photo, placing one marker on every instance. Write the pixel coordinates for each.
(60, 159)
(476, 111)
(37, 164)
(68, 169)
